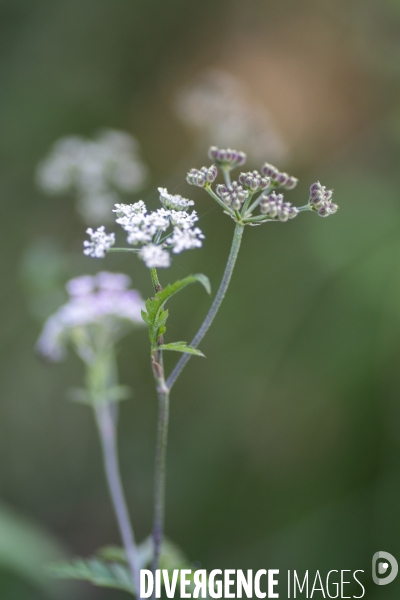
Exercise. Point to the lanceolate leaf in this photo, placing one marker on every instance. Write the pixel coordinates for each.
(180, 347)
(155, 316)
(94, 570)
(109, 568)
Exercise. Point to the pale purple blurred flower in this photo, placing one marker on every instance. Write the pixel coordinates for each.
(100, 310)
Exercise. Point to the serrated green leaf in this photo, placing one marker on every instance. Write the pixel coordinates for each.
(112, 553)
(96, 571)
(173, 288)
(156, 316)
(181, 347)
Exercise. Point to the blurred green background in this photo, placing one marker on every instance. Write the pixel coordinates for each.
(285, 443)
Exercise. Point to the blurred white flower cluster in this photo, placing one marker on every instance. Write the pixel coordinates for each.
(96, 171)
(217, 105)
(153, 233)
(100, 310)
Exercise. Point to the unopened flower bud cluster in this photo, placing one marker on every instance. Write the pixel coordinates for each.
(321, 200)
(232, 195)
(254, 181)
(238, 194)
(279, 178)
(273, 205)
(228, 159)
(202, 177)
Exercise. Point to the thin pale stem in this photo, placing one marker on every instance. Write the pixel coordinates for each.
(256, 202)
(246, 204)
(136, 250)
(237, 239)
(107, 431)
(227, 176)
(215, 197)
(160, 471)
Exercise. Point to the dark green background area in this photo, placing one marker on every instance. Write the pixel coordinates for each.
(285, 442)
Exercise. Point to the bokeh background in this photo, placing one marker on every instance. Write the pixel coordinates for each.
(285, 443)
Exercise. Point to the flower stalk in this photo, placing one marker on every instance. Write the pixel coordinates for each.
(107, 432)
(230, 265)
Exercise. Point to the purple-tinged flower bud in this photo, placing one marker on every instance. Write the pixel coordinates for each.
(200, 178)
(315, 187)
(233, 195)
(291, 183)
(320, 200)
(324, 211)
(270, 171)
(254, 181)
(212, 173)
(282, 178)
(328, 209)
(273, 205)
(228, 159)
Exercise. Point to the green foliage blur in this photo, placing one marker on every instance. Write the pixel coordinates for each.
(284, 448)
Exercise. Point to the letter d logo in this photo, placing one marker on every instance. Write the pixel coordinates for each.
(387, 565)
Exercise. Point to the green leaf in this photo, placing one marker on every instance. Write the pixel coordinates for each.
(113, 394)
(155, 316)
(173, 288)
(172, 557)
(180, 347)
(25, 547)
(96, 571)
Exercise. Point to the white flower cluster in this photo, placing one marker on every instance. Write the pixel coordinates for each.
(95, 170)
(145, 230)
(100, 310)
(173, 201)
(99, 243)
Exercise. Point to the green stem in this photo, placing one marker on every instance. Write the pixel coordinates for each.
(161, 444)
(217, 199)
(256, 202)
(155, 280)
(227, 176)
(107, 432)
(123, 250)
(160, 470)
(246, 204)
(237, 239)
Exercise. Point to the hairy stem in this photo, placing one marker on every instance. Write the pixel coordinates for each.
(107, 431)
(237, 238)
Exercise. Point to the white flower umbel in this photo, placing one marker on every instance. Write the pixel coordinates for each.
(183, 219)
(99, 311)
(175, 202)
(154, 256)
(99, 243)
(185, 239)
(96, 171)
(152, 233)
